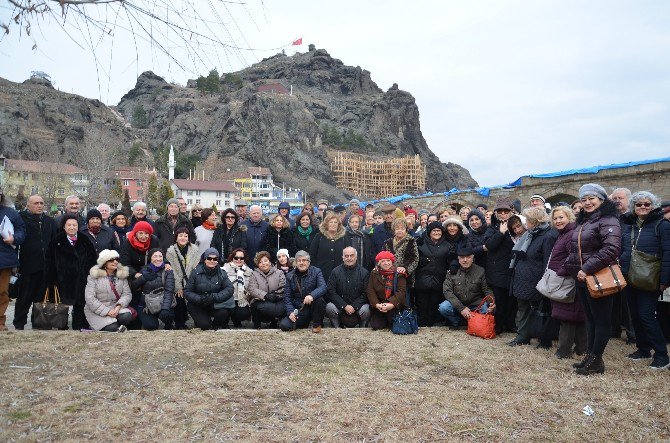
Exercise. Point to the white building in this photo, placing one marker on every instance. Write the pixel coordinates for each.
(205, 193)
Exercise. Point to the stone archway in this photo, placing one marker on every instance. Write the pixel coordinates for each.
(561, 197)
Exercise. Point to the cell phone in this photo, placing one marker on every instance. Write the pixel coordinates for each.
(13, 279)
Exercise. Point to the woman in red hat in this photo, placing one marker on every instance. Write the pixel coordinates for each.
(385, 299)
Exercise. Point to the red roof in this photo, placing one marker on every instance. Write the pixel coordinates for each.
(204, 185)
(273, 87)
(37, 166)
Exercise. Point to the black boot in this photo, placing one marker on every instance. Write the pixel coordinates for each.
(583, 362)
(594, 365)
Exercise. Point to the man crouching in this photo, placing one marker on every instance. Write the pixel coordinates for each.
(304, 296)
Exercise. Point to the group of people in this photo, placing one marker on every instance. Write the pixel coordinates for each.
(359, 267)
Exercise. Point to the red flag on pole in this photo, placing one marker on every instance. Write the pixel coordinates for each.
(297, 42)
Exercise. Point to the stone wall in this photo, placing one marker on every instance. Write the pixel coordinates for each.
(654, 177)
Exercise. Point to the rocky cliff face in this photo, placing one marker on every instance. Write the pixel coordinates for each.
(332, 106)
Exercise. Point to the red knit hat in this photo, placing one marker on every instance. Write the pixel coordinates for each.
(142, 226)
(385, 255)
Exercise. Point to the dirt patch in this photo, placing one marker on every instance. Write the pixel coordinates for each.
(340, 385)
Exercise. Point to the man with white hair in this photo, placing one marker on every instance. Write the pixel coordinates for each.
(256, 228)
(105, 211)
(72, 206)
(348, 301)
(304, 296)
(140, 214)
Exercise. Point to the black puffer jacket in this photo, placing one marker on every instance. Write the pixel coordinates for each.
(653, 238)
(135, 259)
(150, 281)
(225, 240)
(165, 232)
(530, 266)
(433, 262)
(210, 282)
(274, 240)
(499, 255)
(347, 285)
(326, 252)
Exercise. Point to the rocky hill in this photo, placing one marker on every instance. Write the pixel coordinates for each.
(332, 106)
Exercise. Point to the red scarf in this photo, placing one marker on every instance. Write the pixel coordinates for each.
(135, 243)
(388, 281)
(209, 226)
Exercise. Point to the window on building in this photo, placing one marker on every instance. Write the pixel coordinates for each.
(197, 201)
(227, 195)
(227, 203)
(189, 201)
(264, 185)
(139, 182)
(218, 203)
(139, 193)
(197, 192)
(218, 193)
(126, 183)
(189, 192)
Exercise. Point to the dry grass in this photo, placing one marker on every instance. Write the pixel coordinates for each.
(341, 385)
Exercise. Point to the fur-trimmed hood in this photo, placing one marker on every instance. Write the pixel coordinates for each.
(456, 221)
(97, 272)
(341, 231)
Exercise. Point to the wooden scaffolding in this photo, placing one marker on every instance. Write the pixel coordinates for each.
(372, 177)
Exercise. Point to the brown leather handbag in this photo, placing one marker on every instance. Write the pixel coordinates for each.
(608, 281)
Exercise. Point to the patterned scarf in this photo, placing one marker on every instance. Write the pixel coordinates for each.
(239, 280)
(72, 239)
(388, 281)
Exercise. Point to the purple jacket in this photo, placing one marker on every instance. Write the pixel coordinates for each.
(601, 241)
(561, 250)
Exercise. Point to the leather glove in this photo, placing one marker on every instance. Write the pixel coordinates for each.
(207, 300)
(166, 316)
(148, 275)
(271, 297)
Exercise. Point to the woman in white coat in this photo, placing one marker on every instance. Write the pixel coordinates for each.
(108, 294)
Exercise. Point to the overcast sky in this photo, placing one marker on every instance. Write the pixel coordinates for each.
(504, 88)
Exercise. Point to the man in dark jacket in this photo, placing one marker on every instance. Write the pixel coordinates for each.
(304, 296)
(346, 292)
(40, 230)
(72, 206)
(284, 210)
(465, 290)
(101, 236)
(139, 214)
(256, 228)
(166, 226)
(383, 232)
(498, 245)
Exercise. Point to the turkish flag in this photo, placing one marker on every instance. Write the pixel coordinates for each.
(297, 42)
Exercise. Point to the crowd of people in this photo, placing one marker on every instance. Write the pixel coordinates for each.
(357, 266)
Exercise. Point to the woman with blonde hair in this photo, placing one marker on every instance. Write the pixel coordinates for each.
(571, 315)
(278, 235)
(529, 260)
(328, 244)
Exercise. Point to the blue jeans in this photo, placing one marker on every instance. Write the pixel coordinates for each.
(454, 317)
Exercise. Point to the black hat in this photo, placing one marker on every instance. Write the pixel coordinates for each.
(434, 225)
(93, 213)
(116, 214)
(665, 203)
(339, 208)
(483, 205)
(465, 250)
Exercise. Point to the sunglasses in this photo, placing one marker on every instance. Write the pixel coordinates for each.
(230, 216)
(212, 259)
(114, 259)
(238, 258)
(642, 205)
(502, 211)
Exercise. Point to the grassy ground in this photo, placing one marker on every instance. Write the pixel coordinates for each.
(341, 385)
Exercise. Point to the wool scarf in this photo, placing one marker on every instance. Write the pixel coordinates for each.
(157, 269)
(305, 232)
(136, 244)
(208, 225)
(239, 278)
(388, 281)
(95, 230)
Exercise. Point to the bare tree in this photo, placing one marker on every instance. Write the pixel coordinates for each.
(200, 29)
(98, 158)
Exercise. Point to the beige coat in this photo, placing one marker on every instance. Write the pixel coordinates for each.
(100, 298)
(260, 283)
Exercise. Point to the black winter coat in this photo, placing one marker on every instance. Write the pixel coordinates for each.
(302, 243)
(530, 266)
(274, 240)
(217, 284)
(326, 253)
(141, 284)
(225, 241)
(68, 266)
(165, 232)
(498, 257)
(104, 240)
(433, 263)
(40, 231)
(346, 286)
(476, 240)
(135, 259)
(653, 238)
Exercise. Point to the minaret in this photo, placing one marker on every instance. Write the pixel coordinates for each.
(171, 164)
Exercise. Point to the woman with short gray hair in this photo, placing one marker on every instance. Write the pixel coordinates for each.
(645, 231)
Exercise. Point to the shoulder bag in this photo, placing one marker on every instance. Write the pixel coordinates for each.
(47, 315)
(404, 321)
(482, 325)
(645, 269)
(608, 281)
(555, 287)
(153, 300)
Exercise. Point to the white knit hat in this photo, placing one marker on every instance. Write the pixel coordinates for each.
(283, 251)
(106, 255)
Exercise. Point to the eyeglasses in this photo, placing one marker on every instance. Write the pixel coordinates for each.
(212, 259)
(238, 258)
(230, 216)
(197, 210)
(641, 205)
(502, 211)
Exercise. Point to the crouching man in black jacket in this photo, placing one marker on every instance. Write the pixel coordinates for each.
(348, 303)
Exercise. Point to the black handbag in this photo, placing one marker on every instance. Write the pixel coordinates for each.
(404, 321)
(47, 315)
